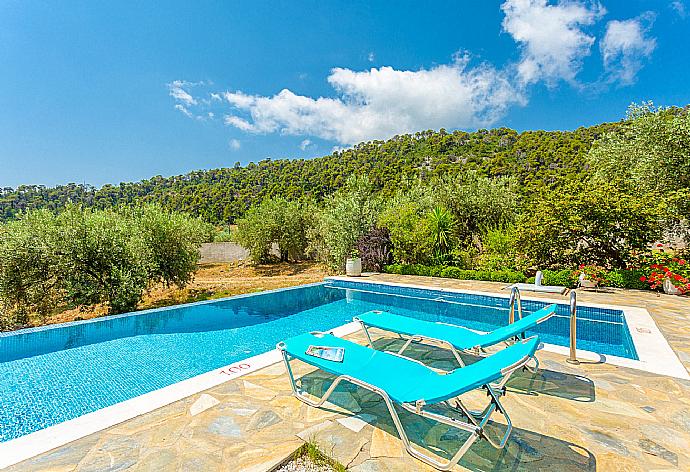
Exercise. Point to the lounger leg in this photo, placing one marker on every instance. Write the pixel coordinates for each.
(497, 406)
(420, 339)
(484, 416)
(300, 393)
(409, 447)
(419, 454)
(366, 332)
(534, 369)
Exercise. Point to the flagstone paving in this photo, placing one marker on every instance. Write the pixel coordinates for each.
(591, 416)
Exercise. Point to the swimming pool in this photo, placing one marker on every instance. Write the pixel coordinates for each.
(49, 375)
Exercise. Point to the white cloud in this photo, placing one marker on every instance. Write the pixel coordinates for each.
(184, 110)
(552, 40)
(234, 144)
(553, 37)
(383, 102)
(178, 92)
(679, 7)
(625, 46)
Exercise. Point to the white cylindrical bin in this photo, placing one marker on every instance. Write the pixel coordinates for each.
(353, 266)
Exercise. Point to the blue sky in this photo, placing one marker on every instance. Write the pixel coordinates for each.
(103, 92)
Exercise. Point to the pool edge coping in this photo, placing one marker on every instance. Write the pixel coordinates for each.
(146, 311)
(655, 354)
(646, 335)
(45, 440)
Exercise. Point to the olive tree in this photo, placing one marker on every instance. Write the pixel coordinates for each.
(171, 241)
(29, 279)
(343, 218)
(649, 155)
(275, 221)
(477, 203)
(587, 222)
(101, 257)
(84, 257)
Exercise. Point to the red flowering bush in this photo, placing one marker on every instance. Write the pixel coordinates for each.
(660, 266)
(592, 272)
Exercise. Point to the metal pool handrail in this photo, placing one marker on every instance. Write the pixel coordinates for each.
(573, 329)
(514, 295)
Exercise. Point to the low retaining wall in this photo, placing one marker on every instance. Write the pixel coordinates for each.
(222, 252)
(212, 253)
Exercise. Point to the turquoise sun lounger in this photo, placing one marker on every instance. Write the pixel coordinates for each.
(452, 336)
(413, 386)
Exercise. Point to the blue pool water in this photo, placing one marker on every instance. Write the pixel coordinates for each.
(50, 375)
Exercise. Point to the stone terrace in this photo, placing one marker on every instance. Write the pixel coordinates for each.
(588, 417)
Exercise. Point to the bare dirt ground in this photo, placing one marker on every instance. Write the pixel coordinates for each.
(212, 281)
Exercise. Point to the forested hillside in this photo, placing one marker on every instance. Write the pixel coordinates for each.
(535, 158)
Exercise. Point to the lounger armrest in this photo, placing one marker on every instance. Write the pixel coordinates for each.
(519, 363)
(511, 368)
(551, 310)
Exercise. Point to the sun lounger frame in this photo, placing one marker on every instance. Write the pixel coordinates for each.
(475, 424)
(419, 338)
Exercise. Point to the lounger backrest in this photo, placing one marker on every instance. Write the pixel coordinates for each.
(482, 372)
(405, 380)
(518, 327)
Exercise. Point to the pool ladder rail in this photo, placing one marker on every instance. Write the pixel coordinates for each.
(572, 359)
(515, 300)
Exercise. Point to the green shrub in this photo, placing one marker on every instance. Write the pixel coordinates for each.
(498, 249)
(463, 257)
(393, 269)
(587, 222)
(508, 276)
(451, 272)
(410, 233)
(623, 278)
(620, 278)
(563, 278)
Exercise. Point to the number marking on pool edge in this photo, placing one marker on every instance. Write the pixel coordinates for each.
(235, 369)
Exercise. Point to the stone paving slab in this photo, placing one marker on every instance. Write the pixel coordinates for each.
(588, 417)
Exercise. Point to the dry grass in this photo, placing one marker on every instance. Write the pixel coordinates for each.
(212, 281)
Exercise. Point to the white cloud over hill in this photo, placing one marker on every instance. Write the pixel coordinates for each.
(625, 46)
(552, 39)
(380, 103)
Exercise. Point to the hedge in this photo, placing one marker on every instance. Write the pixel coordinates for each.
(626, 279)
(618, 278)
(563, 278)
(508, 276)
